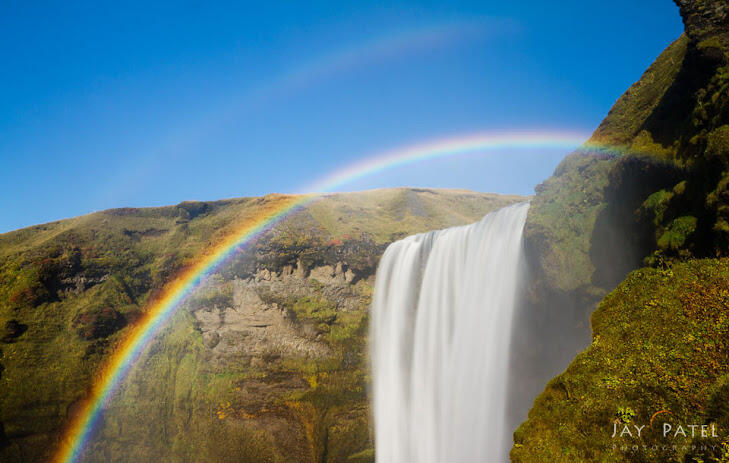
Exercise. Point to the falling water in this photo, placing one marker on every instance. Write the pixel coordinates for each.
(441, 329)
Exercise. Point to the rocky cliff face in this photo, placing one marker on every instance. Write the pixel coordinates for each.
(705, 19)
(668, 127)
(265, 362)
(649, 186)
(650, 189)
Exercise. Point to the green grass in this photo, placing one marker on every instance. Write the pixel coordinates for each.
(626, 118)
(659, 343)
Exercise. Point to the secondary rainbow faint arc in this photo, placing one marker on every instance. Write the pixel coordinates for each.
(82, 425)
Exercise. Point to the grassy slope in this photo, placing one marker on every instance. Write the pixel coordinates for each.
(659, 343)
(70, 289)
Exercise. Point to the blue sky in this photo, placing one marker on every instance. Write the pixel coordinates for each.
(107, 105)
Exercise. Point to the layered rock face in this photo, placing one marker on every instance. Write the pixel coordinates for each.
(274, 361)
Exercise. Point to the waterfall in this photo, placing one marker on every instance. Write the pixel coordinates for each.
(440, 337)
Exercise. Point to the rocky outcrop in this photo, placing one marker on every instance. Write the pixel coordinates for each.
(251, 329)
(705, 19)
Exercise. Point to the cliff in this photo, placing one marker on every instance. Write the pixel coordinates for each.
(265, 362)
(648, 190)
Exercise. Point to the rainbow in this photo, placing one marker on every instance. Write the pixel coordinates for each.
(83, 424)
(469, 144)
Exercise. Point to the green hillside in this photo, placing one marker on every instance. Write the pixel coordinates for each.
(264, 363)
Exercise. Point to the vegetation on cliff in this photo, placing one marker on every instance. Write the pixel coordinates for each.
(667, 133)
(647, 190)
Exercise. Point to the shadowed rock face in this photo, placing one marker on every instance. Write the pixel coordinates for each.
(704, 18)
(13, 330)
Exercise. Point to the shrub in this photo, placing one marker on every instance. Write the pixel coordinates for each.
(99, 323)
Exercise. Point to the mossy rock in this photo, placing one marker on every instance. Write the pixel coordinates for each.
(678, 233)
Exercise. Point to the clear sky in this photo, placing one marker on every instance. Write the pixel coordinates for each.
(111, 104)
